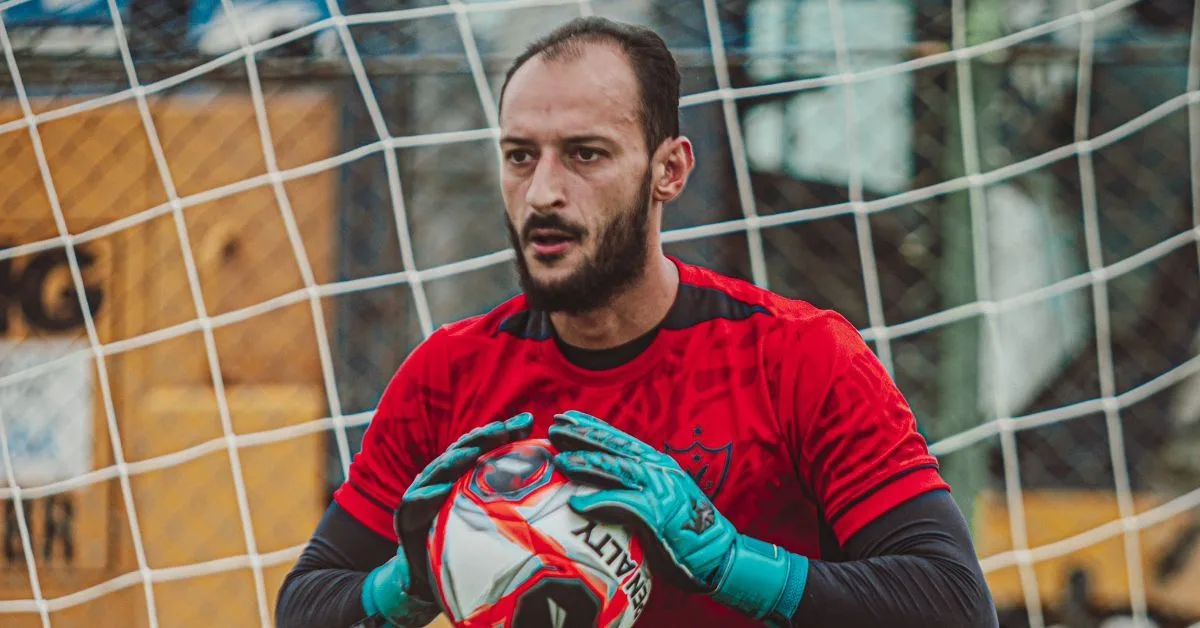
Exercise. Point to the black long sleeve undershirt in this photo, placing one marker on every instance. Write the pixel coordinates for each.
(324, 588)
(913, 566)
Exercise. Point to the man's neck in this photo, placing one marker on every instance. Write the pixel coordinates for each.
(631, 314)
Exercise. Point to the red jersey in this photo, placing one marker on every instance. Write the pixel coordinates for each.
(778, 410)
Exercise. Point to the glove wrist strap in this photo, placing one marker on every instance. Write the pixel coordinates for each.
(761, 580)
(385, 595)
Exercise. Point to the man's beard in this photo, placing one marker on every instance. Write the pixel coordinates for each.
(619, 260)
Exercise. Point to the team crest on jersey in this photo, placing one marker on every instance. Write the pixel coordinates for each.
(706, 465)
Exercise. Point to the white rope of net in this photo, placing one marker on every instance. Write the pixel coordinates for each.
(1100, 313)
(94, 343)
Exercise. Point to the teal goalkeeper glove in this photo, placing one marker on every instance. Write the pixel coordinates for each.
(699, 548)
(400, 590)
(385, 595)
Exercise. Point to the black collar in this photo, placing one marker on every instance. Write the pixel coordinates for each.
(603, 359)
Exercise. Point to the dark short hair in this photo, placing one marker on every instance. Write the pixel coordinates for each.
(653, 66)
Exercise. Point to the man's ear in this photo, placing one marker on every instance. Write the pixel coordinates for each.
(672, 165)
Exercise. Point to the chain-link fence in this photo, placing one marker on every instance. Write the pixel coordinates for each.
(1013, 230)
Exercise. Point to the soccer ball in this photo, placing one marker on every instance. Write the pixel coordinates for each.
(506, 550)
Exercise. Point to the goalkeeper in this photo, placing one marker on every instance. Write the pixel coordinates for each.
(755, 442)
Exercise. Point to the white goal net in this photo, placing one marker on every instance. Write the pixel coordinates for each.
(224, 223)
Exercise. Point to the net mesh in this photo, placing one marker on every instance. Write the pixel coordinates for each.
(224, 224)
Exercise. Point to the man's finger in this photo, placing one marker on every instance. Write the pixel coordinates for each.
(571, 438)
(460, 457)
(617, 506)
(577, 431)
(519, 427)
(424, 494)
(602, 468)
(448, 467)
(578, 419)
(497, 433)
(418, 509)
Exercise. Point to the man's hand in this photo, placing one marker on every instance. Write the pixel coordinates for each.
(697, 548)
(401, 590)
(428, 491)
(650, 490)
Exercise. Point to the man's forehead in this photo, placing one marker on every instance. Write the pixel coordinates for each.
(588, 91)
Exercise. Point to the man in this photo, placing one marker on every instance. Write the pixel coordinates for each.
(755, 443)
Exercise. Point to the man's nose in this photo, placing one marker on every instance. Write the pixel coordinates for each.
(545, 192)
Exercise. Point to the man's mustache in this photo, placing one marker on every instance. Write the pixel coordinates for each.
(551, 221)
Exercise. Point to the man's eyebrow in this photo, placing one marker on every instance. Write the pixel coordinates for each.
(586, 139)
(513, 139)
(573, 139)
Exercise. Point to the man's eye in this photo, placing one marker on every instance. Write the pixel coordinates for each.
(518, 157)
(587, 154)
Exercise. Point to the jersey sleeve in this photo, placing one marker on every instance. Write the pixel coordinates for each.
(853, 434)
(399, 440)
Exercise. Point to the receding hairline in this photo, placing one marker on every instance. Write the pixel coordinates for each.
(644, 52)
(576, 49)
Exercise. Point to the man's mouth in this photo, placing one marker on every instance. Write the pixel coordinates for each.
(547, 243)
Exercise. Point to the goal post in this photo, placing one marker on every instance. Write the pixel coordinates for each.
(224, 224)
